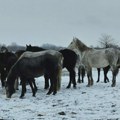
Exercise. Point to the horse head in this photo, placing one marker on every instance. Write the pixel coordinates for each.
(73, 44)
(9, 90)
(79, 45)
(3, 49)
(28, 47)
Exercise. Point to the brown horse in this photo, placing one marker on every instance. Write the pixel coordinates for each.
(35, 64)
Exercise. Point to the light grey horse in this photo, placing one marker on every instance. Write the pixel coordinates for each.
(96, 58)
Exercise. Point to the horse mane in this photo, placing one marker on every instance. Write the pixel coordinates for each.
(34, 48)
(81, 46)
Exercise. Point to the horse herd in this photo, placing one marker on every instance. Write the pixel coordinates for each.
(35, 62)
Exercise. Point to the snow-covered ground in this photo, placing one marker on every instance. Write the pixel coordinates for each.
(99, 102)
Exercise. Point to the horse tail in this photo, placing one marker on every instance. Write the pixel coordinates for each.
(116, 71)
(59, 72)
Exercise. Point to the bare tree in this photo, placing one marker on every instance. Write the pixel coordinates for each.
(106, 41)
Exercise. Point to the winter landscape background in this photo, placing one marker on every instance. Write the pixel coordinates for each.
(99, 102)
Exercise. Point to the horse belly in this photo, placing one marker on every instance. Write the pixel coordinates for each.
(32, 71)
(99, 63)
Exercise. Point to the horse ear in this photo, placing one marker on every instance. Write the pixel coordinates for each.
(74, 38)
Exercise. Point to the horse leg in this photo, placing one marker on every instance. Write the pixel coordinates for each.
(105, 77)
(90, 79)
(114, 72)
(79, 75)
(3, 77)
(35, 86)
(72, 78)
(88, 85)
(51, 87)
(81, 71)
(23, 82)
(69, 84)
(46, 82)
(91, 82)
(106, 69)
(83, 74)
(98, 69)
(31, 85)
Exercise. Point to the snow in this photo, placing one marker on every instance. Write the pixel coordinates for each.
(99, 102)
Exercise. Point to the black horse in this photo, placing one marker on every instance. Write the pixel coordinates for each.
(35, 64)
(7, 59)
(69, 62)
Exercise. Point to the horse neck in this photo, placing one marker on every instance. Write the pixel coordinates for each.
(11, 79)
(12, 75)
(83, 47)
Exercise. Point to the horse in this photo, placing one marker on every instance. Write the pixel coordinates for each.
(91, 57)
(35, 64)
(3, 49)
(7, 59)
(69, 62)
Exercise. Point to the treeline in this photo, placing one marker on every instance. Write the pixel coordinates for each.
(14, 47)
(105, 41)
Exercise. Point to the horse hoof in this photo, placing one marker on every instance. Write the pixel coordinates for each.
(34, 96)
(21, 97)
(48, 93)
(74, 87)
(45, 88)
(112, 85)
(54, 93)
(68, 87)
(87, 85)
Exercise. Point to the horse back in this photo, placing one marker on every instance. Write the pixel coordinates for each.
(35, 64)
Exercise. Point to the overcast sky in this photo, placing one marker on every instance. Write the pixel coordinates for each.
(56, 22)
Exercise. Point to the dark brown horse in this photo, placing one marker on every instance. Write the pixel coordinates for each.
(7, 59)
(35, 64)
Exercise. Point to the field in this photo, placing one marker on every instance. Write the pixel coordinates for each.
(99, 102)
